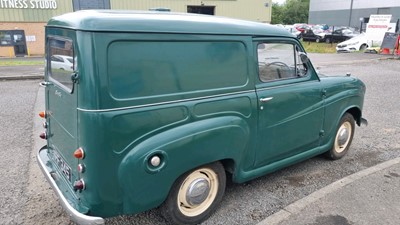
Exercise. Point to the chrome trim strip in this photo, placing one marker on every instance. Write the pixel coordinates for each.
(162, 103)
(282, 85)
(75, 216)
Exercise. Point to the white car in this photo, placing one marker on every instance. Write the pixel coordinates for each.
(358, 43)
(62, 62)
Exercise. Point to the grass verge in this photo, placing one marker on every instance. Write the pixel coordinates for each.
(21, 63)
(313, 47)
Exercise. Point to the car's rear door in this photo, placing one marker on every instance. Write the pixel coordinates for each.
(61, 104)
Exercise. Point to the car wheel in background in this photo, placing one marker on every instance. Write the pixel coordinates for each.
(363, 47)
(328, 40)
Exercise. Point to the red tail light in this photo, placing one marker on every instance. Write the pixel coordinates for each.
(79, 153)
(43, 114)
(43, 135)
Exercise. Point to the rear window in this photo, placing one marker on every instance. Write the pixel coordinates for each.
(61, 65)
(141, 69)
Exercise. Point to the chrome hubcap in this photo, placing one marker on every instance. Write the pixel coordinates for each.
(198, 191)
(343, 136)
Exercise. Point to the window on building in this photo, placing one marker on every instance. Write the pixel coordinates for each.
(5, 38)
(383, 11)
(90, 4)
(208, 10)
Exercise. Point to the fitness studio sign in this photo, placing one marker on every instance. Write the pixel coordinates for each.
(28, 4)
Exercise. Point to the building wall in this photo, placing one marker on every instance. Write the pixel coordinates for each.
(32, 15)
(337, 12)
(32, 10)
(254, 10)
(34, 32)
(328, 5)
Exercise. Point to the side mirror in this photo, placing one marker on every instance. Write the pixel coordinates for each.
(303, 57)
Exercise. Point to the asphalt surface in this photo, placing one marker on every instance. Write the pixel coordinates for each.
(17, 102)
(368, 197)
(27, 199)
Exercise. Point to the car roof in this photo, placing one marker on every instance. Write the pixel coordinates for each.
(161, 22)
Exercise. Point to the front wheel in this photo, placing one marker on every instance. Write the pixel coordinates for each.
(195, 195)
(363, 47)
(344, 136)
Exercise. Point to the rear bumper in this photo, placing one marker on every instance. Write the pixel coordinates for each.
(75, 216)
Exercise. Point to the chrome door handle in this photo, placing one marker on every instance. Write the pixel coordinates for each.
(44, 84)
(266, 99)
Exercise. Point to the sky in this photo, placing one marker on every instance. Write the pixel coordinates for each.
(279, 1)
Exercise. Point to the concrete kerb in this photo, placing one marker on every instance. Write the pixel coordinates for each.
(22, 77)
(299, 205)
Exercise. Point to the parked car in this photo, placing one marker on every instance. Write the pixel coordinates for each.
(358, 43)
(157, 116)
(293, 30)
(62, 62)
(340, 35)
(316, 35)
(300, 26)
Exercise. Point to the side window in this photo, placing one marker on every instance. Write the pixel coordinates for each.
(276, 61)
(61, 66)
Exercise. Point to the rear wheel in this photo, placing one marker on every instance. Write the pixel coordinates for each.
(195, 195)
(344, 136)
(328, 40)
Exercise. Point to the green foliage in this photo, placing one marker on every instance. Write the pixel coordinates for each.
(293, 11)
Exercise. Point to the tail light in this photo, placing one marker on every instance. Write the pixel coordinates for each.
(79, 153)
(43, 114)
(43, 135)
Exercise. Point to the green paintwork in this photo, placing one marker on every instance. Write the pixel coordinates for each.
(184, 88)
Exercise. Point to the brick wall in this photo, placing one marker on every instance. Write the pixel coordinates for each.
(35, 47)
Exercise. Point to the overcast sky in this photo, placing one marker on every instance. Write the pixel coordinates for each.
(279, 1)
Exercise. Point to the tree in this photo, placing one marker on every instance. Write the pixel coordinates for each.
(292, 11)
(277, 12)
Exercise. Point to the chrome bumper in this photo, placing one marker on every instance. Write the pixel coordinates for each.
(75, 216)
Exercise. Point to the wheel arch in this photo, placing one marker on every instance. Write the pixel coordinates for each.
(356, 113)
(181, 149)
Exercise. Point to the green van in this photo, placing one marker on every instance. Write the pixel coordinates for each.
(153, 109)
